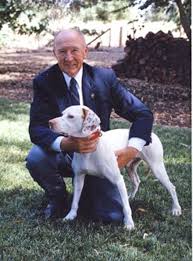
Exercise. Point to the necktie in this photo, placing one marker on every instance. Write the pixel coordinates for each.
(74, 92)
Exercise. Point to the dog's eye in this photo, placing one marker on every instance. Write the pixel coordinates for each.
(70, 116)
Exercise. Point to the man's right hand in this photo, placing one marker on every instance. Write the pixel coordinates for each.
(80, 145)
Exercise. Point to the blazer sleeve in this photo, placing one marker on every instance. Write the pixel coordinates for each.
(131, 108)
(41, 111)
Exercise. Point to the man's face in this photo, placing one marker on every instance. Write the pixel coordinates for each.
(70, 51)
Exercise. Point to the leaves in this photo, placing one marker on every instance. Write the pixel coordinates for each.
(13, 11)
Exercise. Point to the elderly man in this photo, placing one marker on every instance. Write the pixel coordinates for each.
(70, 82)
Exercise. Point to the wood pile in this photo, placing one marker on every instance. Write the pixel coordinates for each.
(158, 57)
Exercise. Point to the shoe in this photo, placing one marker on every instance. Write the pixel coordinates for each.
(55, 210)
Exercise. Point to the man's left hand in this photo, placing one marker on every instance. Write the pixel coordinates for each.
(125, 155)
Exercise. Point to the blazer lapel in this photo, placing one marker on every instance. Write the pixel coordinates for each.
(89, 90)
(61, 90)
(60, 84)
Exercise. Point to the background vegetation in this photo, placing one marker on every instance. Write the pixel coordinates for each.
(34, 16)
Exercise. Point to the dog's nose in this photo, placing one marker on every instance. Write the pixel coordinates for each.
(53, 123)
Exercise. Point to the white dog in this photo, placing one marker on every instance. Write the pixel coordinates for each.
(80, 121)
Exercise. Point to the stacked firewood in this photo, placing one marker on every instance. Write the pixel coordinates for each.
(158, 57)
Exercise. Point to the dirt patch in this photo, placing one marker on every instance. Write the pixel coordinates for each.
(169, 103)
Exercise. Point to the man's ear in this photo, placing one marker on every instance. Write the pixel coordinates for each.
(85, 52)
(54, 53)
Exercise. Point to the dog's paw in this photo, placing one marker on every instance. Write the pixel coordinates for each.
(176, 211)
(131, 195)
(129, 224)
(129, 227)
(71, 216)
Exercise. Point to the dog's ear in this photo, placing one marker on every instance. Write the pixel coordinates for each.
(85, 112)
(91, 122)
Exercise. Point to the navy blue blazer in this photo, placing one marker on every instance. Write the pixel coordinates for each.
(101, 92)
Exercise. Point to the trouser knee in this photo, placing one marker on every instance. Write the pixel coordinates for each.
(43, 168)
(40, 160)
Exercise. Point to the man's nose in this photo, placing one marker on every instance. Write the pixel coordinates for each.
(68, 56)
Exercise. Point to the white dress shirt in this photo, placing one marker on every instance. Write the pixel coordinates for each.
(78, 79)
(134, 142)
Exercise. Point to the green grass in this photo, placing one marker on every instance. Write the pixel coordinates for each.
(24, 235)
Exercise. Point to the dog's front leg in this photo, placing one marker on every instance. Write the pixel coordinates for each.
(78, 186)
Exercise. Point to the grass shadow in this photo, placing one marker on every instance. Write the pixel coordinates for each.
(13, 110)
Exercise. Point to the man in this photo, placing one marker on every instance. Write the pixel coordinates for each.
(69, 82)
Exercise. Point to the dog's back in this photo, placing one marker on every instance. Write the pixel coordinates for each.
(117, 139)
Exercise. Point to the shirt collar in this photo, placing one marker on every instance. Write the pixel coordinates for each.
(77, 77)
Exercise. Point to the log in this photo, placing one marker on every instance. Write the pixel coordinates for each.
(158, 57)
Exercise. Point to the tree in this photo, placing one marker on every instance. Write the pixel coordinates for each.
(172, 7)
(25, 16)
(106, 10)
(37, 17)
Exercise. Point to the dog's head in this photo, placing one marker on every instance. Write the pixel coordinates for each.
(77, 121)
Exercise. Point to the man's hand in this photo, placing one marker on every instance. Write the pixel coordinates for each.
(80, 145)
(126, 155)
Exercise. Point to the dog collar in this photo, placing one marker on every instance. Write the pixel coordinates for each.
(96, 134)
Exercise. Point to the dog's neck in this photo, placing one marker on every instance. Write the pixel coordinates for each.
(96, 134)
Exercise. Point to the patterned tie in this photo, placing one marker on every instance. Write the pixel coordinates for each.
(74, 92)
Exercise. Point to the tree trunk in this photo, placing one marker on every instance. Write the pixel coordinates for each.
(183, 18)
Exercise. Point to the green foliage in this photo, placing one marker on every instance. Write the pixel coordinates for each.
(26, 236)
(101, 10)
(170, 8)
(25, 17)
(176, 10)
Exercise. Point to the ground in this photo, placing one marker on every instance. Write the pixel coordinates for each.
(171, 104)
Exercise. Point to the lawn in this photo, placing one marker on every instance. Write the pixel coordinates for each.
(26, 236)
